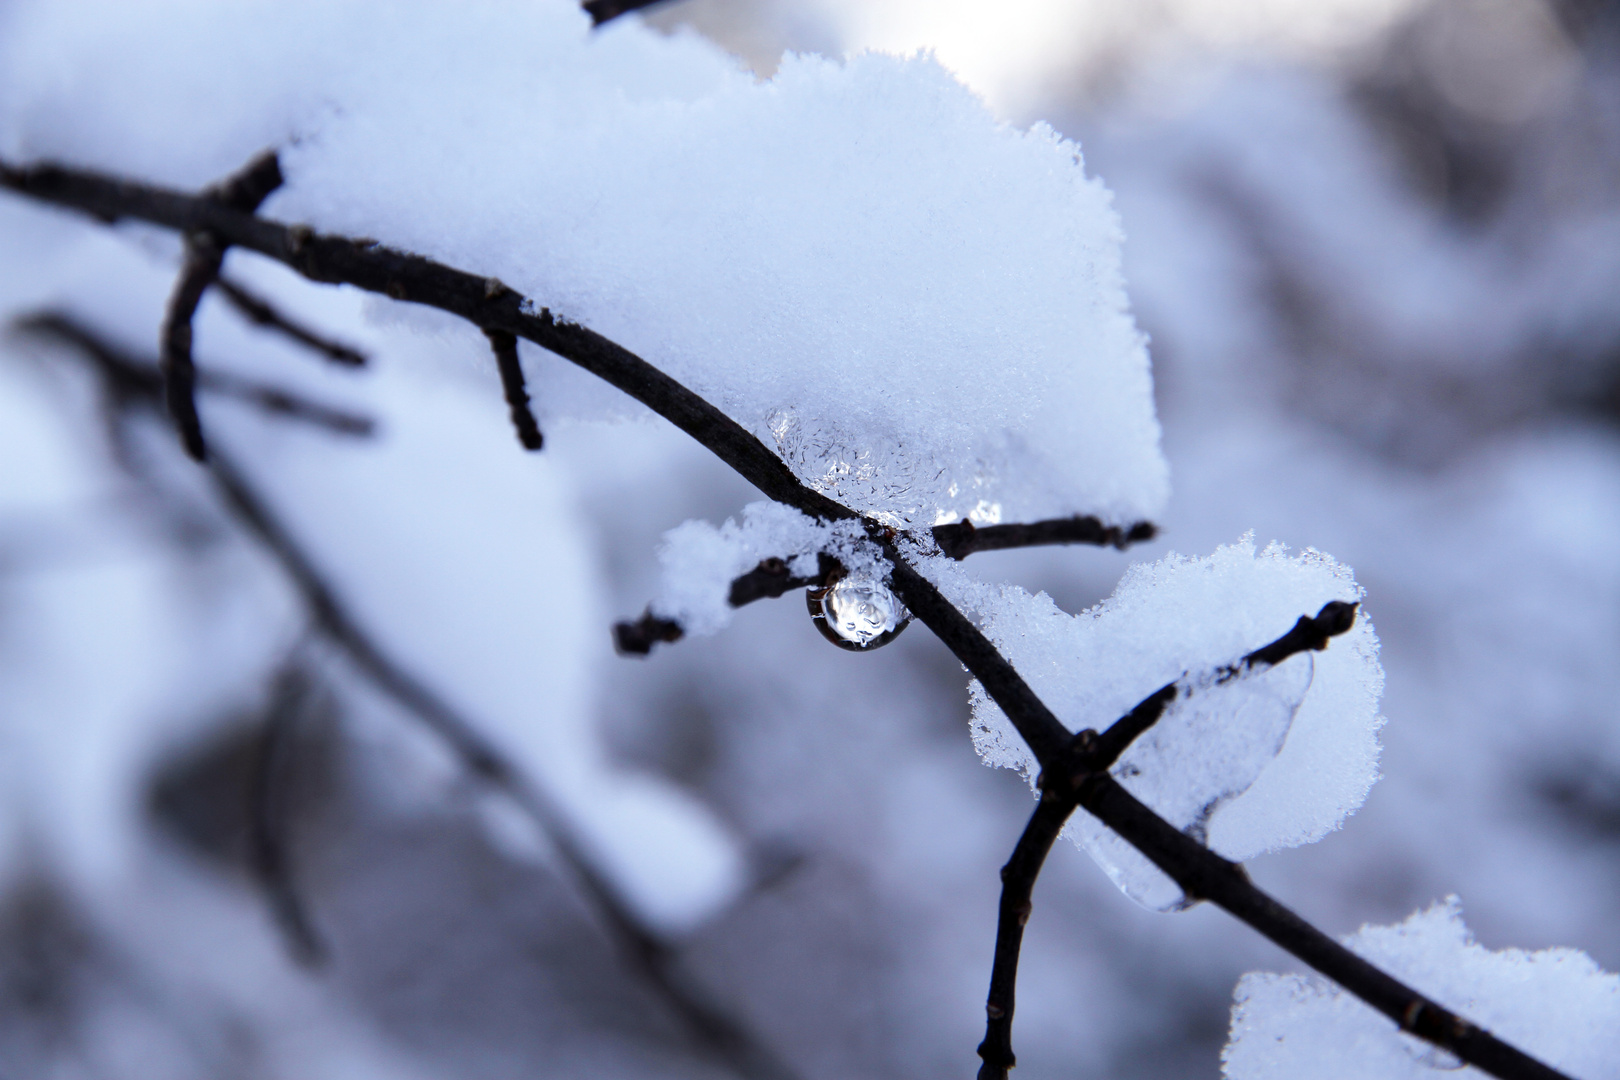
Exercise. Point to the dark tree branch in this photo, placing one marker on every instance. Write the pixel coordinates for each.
(1017, 884)
(773, 577)
(1202, 874)
(1063, 757)
(268, 839)
(131, 377)
(202, 262)
(716, 1031)
(1308, 634)
(204, 257)
(1092, 753)
(963, 538)
(273, 399)
(259, 311)
(602, 11)
(401, 276)
(638, 638)
(649, 956)
(504, 346)
(767, 581)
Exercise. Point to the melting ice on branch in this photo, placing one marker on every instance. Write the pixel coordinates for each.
(1556, 1004)
(1251, 764)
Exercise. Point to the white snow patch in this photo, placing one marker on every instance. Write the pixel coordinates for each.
(1555, 1004)
(1262, 763)
(920, 308)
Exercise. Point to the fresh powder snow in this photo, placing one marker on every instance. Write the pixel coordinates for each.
(1269, 761)
(919, 307)
(1555, 1004)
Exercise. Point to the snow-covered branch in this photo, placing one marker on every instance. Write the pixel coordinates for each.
(712, 1027)
(1073, 773)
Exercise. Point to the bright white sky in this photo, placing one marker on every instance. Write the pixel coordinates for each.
(1012, 51)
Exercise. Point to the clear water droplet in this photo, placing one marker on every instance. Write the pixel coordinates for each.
(857, 612)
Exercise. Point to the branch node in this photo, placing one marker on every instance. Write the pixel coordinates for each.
(638, 638)
(504, 345)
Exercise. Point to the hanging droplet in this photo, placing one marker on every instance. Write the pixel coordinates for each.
(856, 612)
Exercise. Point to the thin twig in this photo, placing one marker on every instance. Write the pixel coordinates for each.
(638, 638)
(259, 311)
(602, 11)
(504, 345)
(133, 377)
(1017, 884)
(268, 839)
(963, 538)
(767, 581)
(1308, 634)
(205, 254)
(649, 956)
(1093, 753)
(1200, 872)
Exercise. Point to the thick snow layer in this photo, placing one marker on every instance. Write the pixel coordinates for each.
(1273, 760)
(493, 599)
(921, 308)
(459, 554)
(1555, 1004)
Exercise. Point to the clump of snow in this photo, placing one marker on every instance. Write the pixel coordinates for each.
(508, 625)
(1555, 1004)
(700, 561)
(1251, 765)
(923, 309)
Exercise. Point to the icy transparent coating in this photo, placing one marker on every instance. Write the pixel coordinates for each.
(1556, 1005)
(700, 561)
(1213, 741)
(921, 308)
(1270, 761)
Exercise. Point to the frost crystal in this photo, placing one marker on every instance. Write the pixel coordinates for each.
(921, 309)
(1248, 765)
(1556, 1005)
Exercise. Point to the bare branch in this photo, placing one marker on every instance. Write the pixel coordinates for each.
(517, 398)
(202, 262)
(602, 11)
(1097, 753)
(651, 958)
(1017, 884)
(204, 256)
(638, 638)
(767, 581)
(374, 268)
(1065, 759)
(1308, 634)
(963, 538)
(132, 377)
(268, 845)
(261, 312)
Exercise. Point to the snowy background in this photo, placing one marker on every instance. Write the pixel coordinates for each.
(1375, 245)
